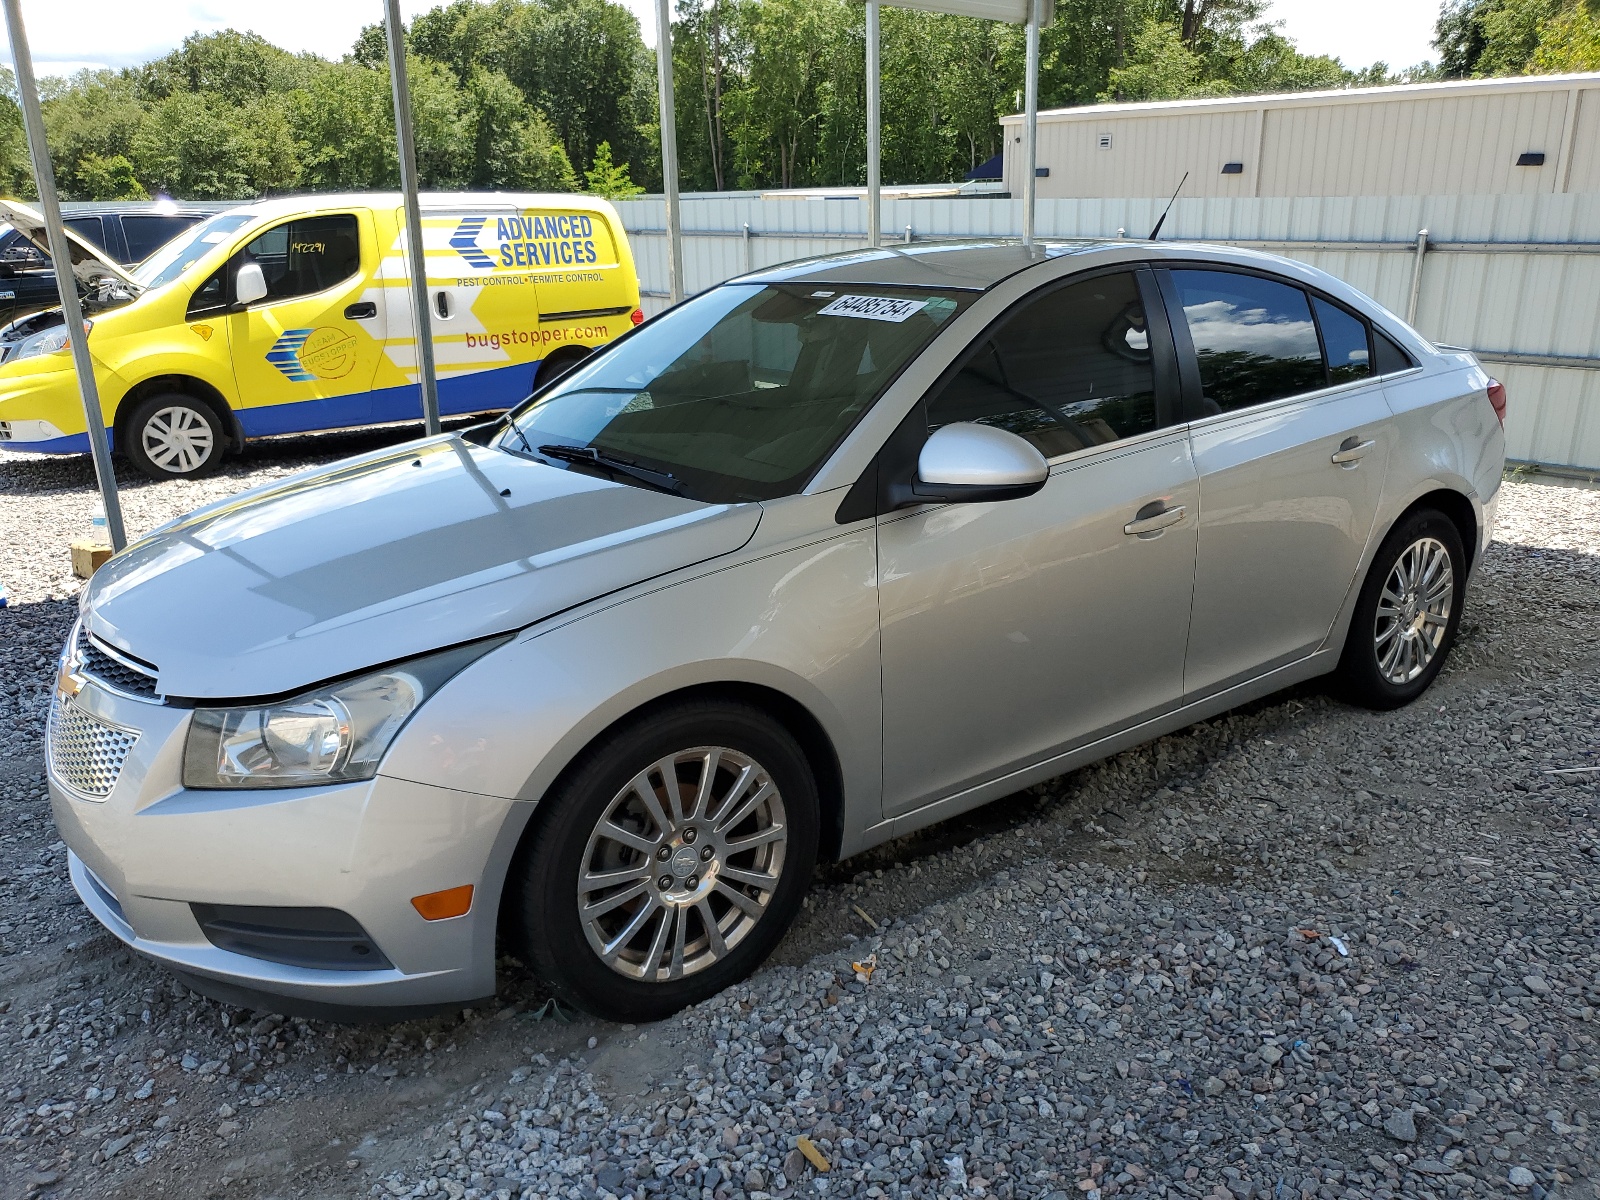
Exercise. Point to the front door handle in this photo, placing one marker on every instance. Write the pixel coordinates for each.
(1150, 520)
(360, 310)
(1351, 451)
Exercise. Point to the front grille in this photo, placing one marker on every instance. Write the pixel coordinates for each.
(83, 753)
(113, 672)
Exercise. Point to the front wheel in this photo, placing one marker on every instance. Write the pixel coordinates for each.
(174, 436)
(669, 862)
(1407, 613)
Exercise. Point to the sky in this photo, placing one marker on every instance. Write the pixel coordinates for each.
(69, 34)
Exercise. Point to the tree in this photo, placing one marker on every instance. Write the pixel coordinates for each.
(1162, 66)
(109, 179)
(608, 179)
(1513, 37)
(1569, 42)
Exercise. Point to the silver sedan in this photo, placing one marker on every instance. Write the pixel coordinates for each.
(819, 557)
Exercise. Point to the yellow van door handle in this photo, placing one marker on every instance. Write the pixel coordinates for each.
(360, 310)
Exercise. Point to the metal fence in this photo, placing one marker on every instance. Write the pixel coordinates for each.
(1515, 278)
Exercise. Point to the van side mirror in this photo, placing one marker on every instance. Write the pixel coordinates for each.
(966, 462)
(249, 285)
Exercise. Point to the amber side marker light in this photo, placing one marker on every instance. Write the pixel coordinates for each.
(439, 906)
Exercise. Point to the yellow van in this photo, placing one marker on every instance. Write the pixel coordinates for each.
(292, 315)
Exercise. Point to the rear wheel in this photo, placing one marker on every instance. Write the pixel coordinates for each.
(1407, 613)
(670, 862)
(174, 436)
(555, 365)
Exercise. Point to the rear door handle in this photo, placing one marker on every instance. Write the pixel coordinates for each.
(1351, 451)
(1146, 523)
(360, 310)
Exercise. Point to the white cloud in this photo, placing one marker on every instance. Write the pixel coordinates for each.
(1360, 32)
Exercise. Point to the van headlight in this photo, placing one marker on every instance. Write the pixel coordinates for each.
(46, 341)
(333, 734)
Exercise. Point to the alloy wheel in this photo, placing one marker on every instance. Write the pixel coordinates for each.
(1414, 610)
(682, 864)
(177, 439)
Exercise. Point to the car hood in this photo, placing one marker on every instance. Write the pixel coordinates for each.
(102, 282)
(383, 557)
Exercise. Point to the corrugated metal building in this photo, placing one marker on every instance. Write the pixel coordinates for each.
(1483, 136)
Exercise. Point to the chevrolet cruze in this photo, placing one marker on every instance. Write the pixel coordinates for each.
(821, 556)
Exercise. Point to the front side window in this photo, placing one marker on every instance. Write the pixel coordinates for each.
(148, 232)
(1069, 370)
(1254, 338)
(306, 255)
(90, 229)
(738, 394)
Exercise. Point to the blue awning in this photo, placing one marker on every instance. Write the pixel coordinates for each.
(992, 169)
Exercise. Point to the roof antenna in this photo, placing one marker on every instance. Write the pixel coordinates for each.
(1163, 219)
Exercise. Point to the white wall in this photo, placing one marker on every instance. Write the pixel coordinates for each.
(1431, 139)
(1508, 274)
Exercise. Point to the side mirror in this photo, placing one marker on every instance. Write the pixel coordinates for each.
(965, 462)
(249, 285)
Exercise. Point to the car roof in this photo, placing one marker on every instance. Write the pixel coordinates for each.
(982, 264)
(972, 266)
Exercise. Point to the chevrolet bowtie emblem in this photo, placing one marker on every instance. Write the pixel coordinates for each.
(68, 682)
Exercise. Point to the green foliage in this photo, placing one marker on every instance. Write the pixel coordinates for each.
(109, 179)
(511, 93)
(608, 179)
(1516, 37)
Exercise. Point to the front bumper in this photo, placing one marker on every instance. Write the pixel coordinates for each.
(142, 856)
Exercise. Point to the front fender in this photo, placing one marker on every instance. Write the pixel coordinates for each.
(801, 621)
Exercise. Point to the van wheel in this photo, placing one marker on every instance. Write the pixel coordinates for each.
(1406, 615)
(558, 364)
(174, 436)
(669, 862)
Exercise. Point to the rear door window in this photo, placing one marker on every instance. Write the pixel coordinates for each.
(1254, 338)
(1344, 340)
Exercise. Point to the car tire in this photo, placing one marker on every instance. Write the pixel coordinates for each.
(174, 436)
(636, 927)
(1407, 614)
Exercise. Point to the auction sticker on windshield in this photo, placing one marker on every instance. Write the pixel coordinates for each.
(873, 308)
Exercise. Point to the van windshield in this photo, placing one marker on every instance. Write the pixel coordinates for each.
(188, 248)
(736, 395)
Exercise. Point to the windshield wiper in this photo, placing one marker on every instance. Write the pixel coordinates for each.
(589, 456)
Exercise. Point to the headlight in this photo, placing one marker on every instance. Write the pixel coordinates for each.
(334, 734)
(46, 341)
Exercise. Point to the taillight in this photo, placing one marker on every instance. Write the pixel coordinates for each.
(1497, 397)
(637, 317)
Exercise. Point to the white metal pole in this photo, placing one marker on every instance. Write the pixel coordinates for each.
(669, 150)
(1030, 125)
(66, 282)
(416, 257)
(874, 145)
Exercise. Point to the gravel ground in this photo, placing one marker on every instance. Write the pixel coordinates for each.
(1300, 950)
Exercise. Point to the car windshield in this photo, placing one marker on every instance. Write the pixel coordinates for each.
(183, 251)
(737, 394)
